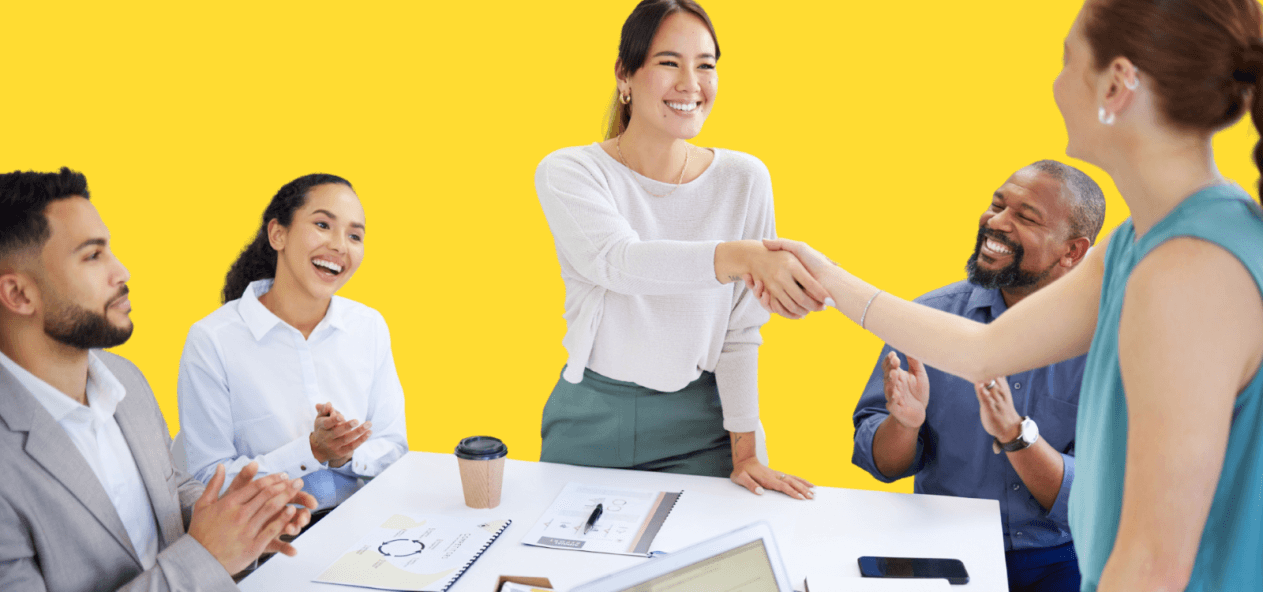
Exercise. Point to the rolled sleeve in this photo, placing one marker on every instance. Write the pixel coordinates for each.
(737, 378)
(870, 412)
(1059, 512)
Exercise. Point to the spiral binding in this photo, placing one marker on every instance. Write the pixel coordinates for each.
(471, 561)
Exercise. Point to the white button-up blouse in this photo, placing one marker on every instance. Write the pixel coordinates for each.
(249, 385)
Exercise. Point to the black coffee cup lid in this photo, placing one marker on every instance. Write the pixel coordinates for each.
(481, 448)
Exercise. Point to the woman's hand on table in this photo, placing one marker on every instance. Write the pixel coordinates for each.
(751, 474)
(757, 477)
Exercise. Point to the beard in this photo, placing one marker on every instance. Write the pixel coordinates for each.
(1009, 276)
(80, 328)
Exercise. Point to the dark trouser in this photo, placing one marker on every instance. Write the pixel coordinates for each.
(602, 422)
(1049, 569)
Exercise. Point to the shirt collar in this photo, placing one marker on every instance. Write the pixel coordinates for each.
(260, 320)
(257, 317)
(980, 297)
(104, 391)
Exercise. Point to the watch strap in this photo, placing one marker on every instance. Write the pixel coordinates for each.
(1018, 443)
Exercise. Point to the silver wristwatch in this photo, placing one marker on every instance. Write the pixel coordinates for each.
(1028, 436)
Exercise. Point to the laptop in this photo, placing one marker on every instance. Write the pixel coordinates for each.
(744, 560)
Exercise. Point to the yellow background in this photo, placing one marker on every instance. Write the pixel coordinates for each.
(886, 126)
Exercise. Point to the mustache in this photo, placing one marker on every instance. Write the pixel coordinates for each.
(999, 238)
(122, 292)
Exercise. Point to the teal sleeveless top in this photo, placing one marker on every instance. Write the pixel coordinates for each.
(1230, 555)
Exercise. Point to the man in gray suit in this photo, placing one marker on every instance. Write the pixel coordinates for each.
(89, 497)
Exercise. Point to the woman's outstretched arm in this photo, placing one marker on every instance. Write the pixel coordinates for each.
(1053, 324)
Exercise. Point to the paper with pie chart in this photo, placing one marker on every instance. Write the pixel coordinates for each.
(414, 553)
(629, 521)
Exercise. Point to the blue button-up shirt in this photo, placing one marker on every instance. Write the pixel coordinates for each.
(954, 455)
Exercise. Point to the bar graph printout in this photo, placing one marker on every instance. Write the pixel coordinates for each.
(629, 521)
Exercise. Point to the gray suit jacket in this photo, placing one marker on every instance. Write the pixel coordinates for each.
(59, 530)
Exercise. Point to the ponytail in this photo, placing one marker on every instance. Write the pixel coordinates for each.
(619, 116)
(258, 260)
(1249, 72)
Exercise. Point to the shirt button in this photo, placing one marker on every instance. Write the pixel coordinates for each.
(1017, 385)
(1019, 533)
(302, 467)
(1016, 487)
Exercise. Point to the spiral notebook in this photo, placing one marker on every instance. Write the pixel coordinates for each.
(628, 523)
(414, 553)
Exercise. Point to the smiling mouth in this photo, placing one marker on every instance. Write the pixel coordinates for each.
(995, 249)
(683, 107)
(326, 268)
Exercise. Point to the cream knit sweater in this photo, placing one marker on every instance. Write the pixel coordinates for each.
(642, 302)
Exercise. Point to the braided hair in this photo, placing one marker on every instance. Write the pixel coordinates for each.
(258, 260)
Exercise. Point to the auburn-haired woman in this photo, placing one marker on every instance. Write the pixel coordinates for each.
(651, 232)
(1168, 491)
(285, 373)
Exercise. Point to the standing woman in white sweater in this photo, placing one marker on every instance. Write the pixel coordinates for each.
(651, 233)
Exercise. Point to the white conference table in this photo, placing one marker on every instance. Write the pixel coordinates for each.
(823, 536)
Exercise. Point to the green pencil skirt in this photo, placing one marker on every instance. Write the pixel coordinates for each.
(602, 422)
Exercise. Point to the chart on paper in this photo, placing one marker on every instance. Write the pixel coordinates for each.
(629, 520)
(413, 553)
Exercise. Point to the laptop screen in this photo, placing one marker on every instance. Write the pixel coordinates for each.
(743, 569)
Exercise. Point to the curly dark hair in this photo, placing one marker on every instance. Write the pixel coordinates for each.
(258, 260)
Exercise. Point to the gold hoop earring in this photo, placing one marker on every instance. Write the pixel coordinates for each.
(625, 98)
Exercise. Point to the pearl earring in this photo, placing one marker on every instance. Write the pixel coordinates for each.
(1107, 119)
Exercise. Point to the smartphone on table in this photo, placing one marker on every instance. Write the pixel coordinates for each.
(914, 567)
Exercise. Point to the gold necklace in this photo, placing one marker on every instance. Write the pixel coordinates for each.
(618, 145)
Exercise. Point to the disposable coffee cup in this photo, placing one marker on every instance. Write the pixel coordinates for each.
(481, 460)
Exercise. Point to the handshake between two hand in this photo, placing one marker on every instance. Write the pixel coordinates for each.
(785, 277)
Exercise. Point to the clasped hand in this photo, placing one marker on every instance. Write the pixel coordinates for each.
(806, 293)
(333, 438)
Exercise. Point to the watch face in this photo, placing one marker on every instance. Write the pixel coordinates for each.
(1030, 431)
(1028, 436)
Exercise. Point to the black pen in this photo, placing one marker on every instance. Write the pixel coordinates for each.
(596, 513)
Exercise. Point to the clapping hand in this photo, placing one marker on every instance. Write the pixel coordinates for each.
(907, 391)
(333, 438)
(995, 407)
(247, 519)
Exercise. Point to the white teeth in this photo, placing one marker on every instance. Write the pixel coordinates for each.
(686, 107)
(331, 266)
(997, 247)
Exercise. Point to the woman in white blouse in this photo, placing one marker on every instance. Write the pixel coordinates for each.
(651, 233)
(285, 373)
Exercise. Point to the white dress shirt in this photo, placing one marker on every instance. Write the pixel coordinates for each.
(249, 385)
(642, 301)
(95, 433)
